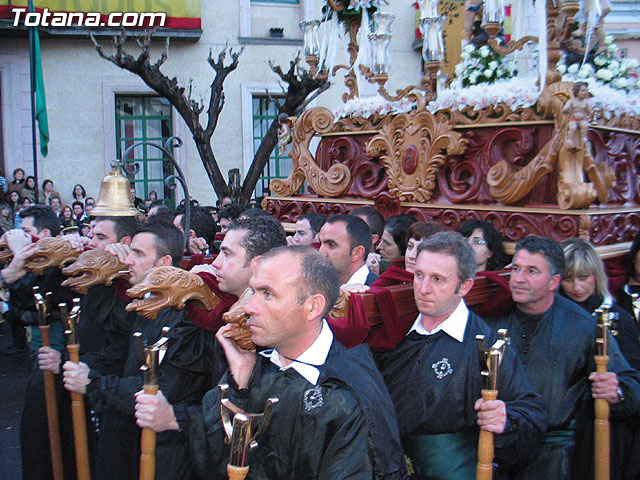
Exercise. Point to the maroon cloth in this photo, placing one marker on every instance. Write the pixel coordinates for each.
(211, 319)
(197, 259)
(315, 245)
(501, 303)
(219, 236)
(616, 270)
(356, 329)
(121, 286)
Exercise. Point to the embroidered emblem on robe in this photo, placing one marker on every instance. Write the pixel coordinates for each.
(313, 398)
(442, 368)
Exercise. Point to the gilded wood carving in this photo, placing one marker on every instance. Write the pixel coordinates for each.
(413, 147)
(5, 252)
(94, 267)
(331, 183)
(169, 287)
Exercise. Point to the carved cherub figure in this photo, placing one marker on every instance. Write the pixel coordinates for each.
(578, 109)
(284, 130)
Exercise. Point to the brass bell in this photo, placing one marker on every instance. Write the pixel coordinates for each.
(115, 197)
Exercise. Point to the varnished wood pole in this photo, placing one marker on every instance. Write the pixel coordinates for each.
(148, 445)
(52, 413)
(237, 473)
(79, 423)
(484, 467)
(601, 437)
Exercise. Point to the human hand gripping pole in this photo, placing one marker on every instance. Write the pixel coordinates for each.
(237, 426)
(77, 399)
(152, 356)
(601, 406)
(491, 359)
(49, 388)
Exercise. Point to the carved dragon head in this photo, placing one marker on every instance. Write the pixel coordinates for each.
(164, 287)
(5, 252)
(236, 315)
(51, 252)
(93, 267)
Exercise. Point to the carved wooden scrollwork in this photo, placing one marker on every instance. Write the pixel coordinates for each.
(331, 183)
(236, 315)
(413, 147)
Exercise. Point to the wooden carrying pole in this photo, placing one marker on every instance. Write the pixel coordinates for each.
(601, 406)
(77, 399)
(152, 357)
(50, 392)
(491, 358)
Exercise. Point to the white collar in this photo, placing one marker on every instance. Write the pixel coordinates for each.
(359, 276)
(316, 355)
(454, 326)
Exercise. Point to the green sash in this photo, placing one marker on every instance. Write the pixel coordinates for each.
(445, 456)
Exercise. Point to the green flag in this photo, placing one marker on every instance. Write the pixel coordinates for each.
(38, 86)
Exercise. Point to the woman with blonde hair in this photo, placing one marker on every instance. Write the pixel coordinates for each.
(584, 281)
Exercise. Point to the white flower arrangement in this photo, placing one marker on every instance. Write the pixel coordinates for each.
(481, 65)
(513, 92)
(607, 69)
(366, 107)
(611, 101)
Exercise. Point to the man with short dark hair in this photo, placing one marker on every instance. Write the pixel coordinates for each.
(308, 227)
(346, 242)
(227, 215)
(373, 218)
(202, 231)
(331, 422)
(182, 373)
(434, 376)
(556, 341)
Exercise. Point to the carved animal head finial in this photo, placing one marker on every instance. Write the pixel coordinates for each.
(5, 252)
(93, 267)
(236, 315)
(164, 287)
(341, 307)
(51, 252)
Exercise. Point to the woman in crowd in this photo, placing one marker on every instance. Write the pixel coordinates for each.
(418, 232)
(393, 242)
(584, 281)
(17, 184)
(153, 196)
(29, 190)
(66, 218)
(486, 242)
(44, 195)
(79, 193)
(14, 201)
(6, 218)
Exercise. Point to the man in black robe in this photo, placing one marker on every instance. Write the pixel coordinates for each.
(334, 419)
(346, 241)
(182, 373)
(556, 342)
(434, 374)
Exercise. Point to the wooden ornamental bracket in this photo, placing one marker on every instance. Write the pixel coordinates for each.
(50, 252)
(413, 146)
(509, 185)
(331, 183)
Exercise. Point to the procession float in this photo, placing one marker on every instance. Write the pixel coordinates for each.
(513, 137)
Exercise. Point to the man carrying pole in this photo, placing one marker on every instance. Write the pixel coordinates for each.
(434, 374)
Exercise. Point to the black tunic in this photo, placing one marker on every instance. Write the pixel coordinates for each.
(558, 357)
(182, 379)
(342, 428)
(435, 380)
